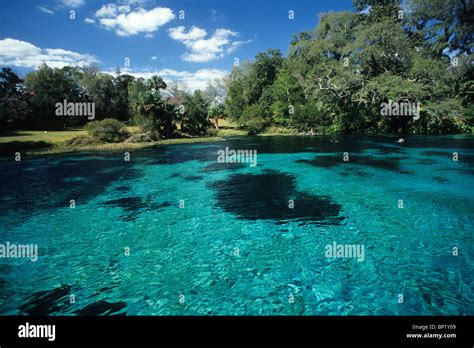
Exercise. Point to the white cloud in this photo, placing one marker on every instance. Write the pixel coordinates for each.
(111, 10)
(24, 54)
(205, 50)
(89, 20)
(45, 9)
(193, 80)
(180, 34)
(189, 81)
(73, 3)
(154, 58)
(126, 21)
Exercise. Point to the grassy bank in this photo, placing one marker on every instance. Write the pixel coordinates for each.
(53, 142)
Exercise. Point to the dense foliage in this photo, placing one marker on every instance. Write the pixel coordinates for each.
(32, 103)
(336, 77)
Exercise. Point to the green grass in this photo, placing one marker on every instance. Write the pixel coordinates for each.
(49, 137)
(227, 128)
(49, 142)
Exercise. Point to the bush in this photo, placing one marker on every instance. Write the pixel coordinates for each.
(108, 130)
(252, 119)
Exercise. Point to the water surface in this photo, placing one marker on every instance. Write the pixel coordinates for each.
(207, 238)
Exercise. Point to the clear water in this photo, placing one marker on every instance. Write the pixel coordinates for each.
(235, 248)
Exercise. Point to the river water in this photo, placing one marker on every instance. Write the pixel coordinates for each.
(175, 232)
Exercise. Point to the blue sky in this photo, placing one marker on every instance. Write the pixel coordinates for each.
(152, 33)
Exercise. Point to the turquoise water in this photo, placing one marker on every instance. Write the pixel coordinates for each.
(220, 239)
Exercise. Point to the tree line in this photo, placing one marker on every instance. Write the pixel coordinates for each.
(336, 77)
(160, 110)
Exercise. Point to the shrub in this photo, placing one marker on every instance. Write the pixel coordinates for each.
(108, 130)
(252, 119)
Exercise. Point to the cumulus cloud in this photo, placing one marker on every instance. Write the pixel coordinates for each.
(24, 54)
(193, 34)
(202, 49)
(193, 80)
(111, 10)
(127, 21)
(189, 81)
(89, 20)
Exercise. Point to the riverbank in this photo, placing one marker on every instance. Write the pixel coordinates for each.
(41, 147)
(55, 142)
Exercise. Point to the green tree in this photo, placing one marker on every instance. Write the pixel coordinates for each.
(15, 108)
(120, 101)
(135, 88)
(153, 115)
(287, 95)
(49, 86)
(195, 120)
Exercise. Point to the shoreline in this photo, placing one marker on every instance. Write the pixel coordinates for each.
(64, 149)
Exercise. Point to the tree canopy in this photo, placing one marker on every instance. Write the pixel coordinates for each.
(337, 76)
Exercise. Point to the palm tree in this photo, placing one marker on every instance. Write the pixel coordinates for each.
(156, 83)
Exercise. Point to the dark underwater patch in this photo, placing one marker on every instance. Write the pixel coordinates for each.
(437, 153)
(216, 166)
(329, 161)
(176, 154)
(194, 178)
(123, 188)
(43, 185)
(133, 206)
(318, 144)
(127, 203)
(102, 307)
(426, 161)
(466, 159)
(440, 179)
(388, 150)
(47, 302)
(270, 145)
(439, 142)
(266, 196)
(355, 172)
